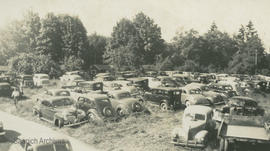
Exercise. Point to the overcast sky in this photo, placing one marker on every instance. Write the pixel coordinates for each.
(171, 15)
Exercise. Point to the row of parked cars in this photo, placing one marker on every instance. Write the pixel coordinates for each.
(208, 99)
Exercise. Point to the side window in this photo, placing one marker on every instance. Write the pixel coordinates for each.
(46, 103)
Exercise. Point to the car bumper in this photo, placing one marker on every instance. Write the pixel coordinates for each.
(219, 103)
(189, 143)
(69, 124)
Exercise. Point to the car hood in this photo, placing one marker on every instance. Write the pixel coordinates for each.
(199, 99)
(193, 127)
(210, 94)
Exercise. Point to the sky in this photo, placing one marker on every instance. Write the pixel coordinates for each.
(172, 16)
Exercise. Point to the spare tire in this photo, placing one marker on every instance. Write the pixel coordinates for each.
(136, 107)
(107, 111)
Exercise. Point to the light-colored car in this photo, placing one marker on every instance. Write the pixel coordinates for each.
(123, 103)
(2, 131)
(197, 127)
(193, 96)
(70, 77)
(52, 93)
(60, 111)
(214, 97)
(41, 79)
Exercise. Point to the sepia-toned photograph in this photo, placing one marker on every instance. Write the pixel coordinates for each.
(134, 75)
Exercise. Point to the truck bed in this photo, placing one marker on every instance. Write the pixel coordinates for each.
(258, 133)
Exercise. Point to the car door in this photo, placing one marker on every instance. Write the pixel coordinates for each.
(44, 109)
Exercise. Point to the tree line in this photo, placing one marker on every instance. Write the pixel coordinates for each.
(58, 43)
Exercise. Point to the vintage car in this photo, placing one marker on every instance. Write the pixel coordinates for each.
(194, 96)
(104, 78)
(2, 131)
(5, 90)
(111, 86)
(263, 86)
(70, 77)
(60, 111)
(225, 89)
(90, 86)
(140, 82)
(214, 97)
(167, 81)
(166, 97)
(96, 106)
(52, 93)
(26, 81)
(39, 142)
(5, 79)
(41, 80)
(197, 127)
(239, 105)
(123, 103)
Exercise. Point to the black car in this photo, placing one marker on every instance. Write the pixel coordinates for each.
(263, 86)
(224, 89)
(141, 83)
(240, 105)
(166, 97)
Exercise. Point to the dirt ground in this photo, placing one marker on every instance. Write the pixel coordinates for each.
(135, 133)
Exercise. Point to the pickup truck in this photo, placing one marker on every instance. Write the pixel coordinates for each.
(244, 133)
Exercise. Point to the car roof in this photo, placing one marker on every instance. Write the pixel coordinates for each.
(166, 88)
(94, 96)
(243, 98)
(117, 92)
(198, 109)
(137, 79)
(41, 74)
(4, 84)
(57, 90)
(90, 82)
(192, 86)
(55, 98)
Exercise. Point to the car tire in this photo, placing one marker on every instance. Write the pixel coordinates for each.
(137, 107)
(107, 111)
(164, 106)
(120, 112)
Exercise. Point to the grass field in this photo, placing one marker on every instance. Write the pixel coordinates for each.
(136, 132)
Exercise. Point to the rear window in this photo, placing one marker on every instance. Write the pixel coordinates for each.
(62, 147)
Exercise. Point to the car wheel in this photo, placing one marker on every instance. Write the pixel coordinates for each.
(164, 106)
(120, 112)
(136, 107)
(107, 111)
(187, 103)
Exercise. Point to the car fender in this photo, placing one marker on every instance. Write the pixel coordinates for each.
(201, 135)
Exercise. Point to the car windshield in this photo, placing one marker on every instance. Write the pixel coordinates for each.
(123, 95)
(78, 78)
(195, 91)
(62, 102)
(195, 116)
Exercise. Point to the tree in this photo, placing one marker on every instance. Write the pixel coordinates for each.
(97, 47)
(249, 47)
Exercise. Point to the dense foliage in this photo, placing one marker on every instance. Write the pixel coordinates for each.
(58, 43)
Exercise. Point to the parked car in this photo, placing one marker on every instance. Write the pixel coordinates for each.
(41, 79)
(96, 106)
(5, 90)
(263, 86)
(214, 97)
(193, 96)
(2, 131)
(197, 127)
(123, 103)
(239, 105)
(166, 97)
(225, 89)
(140, 82)
(70, 77)
(44, 143)
(52, 93)
(26, 80)
(60, 111)
(5, 79)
